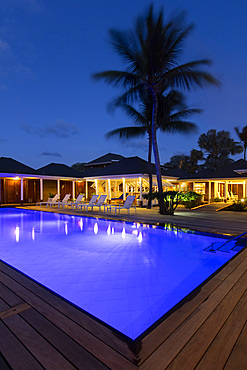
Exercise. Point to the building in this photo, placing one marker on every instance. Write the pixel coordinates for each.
(115, 176)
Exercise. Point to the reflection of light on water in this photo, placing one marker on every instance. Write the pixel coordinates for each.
(123, 233)
(96, 228)
(81, 224)
(17, 234)
(66, 228)
(112, 231)
(135, 232)
(33, 233)
(140, 237)
(109, 230)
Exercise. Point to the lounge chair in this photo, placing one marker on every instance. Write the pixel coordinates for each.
(92, 202)
(232, 196)
(63, 202)
(127, 205)
(79, 200)
(50, 201)
(99, 204)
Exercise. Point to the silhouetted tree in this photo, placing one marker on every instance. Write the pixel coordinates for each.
(151, 53)
(242, 137)
(218, 146)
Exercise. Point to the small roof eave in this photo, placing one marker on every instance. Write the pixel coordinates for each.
(130, 176)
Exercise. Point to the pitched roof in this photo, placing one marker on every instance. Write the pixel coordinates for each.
(126, 166)
(105, 159)
(57, 169)
(9, 165)
(223, 173)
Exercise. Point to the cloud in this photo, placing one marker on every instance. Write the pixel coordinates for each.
(59, 129)
(48, 154)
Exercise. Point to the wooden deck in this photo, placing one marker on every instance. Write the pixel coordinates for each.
(208, 330)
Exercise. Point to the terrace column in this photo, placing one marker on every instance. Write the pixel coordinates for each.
(21, 190)
(244, 189)
(96, 187)
(41, 189)
(140, 179)
(73, 189)
(124, 189)
(209, 192)
(193, 185)
(58, 187)
(216, 189)
(86, 190)
(225, 192)
(109, 188)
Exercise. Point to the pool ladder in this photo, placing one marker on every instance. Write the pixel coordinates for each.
(218, 246)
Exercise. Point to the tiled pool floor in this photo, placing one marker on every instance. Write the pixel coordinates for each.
(127, 275)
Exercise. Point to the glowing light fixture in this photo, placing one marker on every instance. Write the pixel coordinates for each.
(33, 233)
(96, 228)
(17, 234)
(109, 230)
(140, 237)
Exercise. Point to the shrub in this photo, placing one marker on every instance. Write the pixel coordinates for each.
(238, 206)
(171, 200)
(190, 199)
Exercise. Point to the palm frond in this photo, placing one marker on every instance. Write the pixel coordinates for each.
(118, 78)
(127, 132)
(183, 127)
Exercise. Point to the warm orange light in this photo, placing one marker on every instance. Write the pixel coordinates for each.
(16, 178)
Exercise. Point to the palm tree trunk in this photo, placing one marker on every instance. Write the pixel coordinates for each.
(156, 152)
(245, 152)
(149, 205)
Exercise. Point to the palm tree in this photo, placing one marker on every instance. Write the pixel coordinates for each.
(151, 53)
(218, 146)
(172, 110)
(242, 137)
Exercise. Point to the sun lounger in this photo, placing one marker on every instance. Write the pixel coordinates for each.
(99, 204)
(127, 205)
(79, 200)
(50, 201)
(92, 202)
(64, 201)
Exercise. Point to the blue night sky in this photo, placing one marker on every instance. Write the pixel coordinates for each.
(52, 111)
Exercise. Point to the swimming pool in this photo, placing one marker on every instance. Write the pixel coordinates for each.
(127, 275)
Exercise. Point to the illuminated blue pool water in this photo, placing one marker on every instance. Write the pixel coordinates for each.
(127, 275)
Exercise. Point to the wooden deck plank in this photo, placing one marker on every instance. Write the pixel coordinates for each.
(36, 344)
(14, 352)
(239, 352)
(159, 334)
(168, 350)
(226, 338)
(14, 310)
(9, 297)
(194, 350)
(77, 355)
(92, 344)
(102, 332)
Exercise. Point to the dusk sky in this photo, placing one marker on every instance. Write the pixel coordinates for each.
(52, 111)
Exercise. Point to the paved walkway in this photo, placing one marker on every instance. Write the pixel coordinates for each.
(205, 218)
